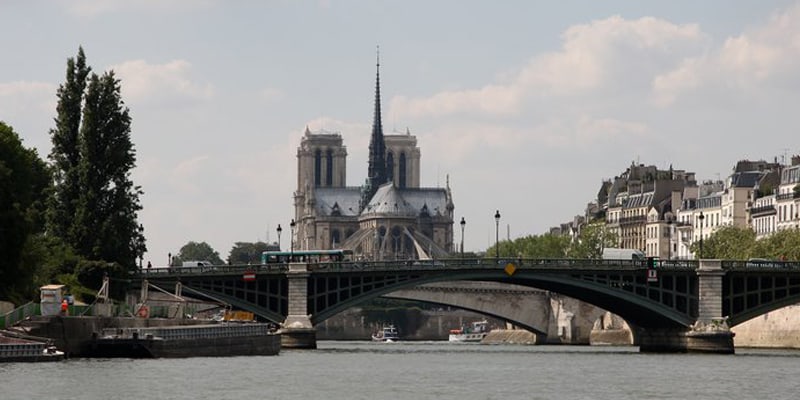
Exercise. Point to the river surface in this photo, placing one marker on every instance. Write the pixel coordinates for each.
(418, 370)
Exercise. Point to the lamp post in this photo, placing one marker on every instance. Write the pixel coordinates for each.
(463, 224)
(497, 234)
(279, 236)
(701, 217)
(291, 239)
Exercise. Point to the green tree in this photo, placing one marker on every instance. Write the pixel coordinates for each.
(591, 241)
(727, 243)
(248, 253)
(65, 154)
(24, 183)
(194, 251)
(781, 245)
(94, 209)
(533, 246)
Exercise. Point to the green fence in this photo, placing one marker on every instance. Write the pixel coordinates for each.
(19, 314)
(118, 309)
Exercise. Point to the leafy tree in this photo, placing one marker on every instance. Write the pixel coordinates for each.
(65, 154)
(533, 246)
(781, 245)
(727, 242)
(591, 241)
(24, 183)
(94, 209)
(194, 251)
(248, 253)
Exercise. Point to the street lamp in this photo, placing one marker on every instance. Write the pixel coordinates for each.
(291, 226)
(497, 234)
(463, 224)
(279, 236)
(701, 217)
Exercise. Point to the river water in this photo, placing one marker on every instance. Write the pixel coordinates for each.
(418, 370)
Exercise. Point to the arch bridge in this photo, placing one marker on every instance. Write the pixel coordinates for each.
(677, 305)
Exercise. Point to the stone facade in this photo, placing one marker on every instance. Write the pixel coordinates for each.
(389, 217)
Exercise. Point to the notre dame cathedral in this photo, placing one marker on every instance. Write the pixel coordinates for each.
(390, 217)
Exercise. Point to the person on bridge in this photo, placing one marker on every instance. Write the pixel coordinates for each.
(64, 307)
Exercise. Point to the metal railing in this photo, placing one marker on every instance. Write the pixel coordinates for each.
(18, 314)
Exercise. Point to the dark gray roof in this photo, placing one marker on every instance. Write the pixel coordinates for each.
(745, 179)
(344, 199)
(407, 202)
(639, 200)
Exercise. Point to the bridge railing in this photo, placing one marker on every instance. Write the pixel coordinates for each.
(215, 269)
(760, 265)
(501, 263)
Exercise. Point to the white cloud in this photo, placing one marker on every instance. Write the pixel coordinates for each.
(17, 97)
(143, 82)
(96, 8)
(612, 52)
(767, 56)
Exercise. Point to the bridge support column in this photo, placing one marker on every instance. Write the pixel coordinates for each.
(297, 331)
(710, 333)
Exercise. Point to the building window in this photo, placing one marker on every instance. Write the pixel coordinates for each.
(390, 166)
(329, 169)
(402, 167)
(317, 167)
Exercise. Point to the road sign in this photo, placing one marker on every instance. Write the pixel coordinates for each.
(652, 275)
(249, 276)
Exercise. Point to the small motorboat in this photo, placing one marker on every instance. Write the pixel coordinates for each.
(386, 334)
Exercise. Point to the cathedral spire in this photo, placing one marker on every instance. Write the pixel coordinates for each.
(377, 146)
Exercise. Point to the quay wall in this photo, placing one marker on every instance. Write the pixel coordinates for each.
(510, 336)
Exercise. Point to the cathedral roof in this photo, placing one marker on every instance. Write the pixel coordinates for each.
(333, 201)
(407, 202)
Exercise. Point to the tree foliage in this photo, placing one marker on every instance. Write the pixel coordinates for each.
(533, 246)
(591, 241)
(727, 242)
(194, 251)
(24, 184)
(781, 245)
(735, 243)
(95, 204)
(248, 253)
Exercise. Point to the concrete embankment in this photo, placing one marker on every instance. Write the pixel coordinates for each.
(509, 336)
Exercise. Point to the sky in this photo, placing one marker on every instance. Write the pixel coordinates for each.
(524, 106)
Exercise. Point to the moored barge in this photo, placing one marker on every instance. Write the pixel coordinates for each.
(214, 340)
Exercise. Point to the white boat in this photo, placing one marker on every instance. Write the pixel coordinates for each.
(472, 333)
(386, 334)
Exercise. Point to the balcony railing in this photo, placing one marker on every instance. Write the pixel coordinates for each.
(763, 210)
(788, 196)
(639, 219)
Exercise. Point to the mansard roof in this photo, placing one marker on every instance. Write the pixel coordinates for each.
(745, 179)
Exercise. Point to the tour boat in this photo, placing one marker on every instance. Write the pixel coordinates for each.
(473, 333)
(387, 334)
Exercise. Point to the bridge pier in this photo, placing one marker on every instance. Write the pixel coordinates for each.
(297, 332)
(709, 333)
